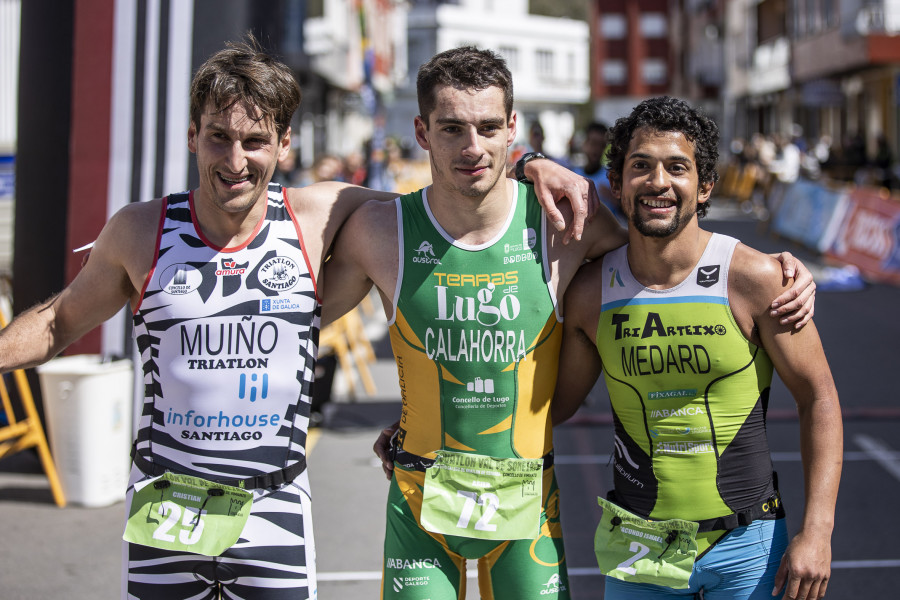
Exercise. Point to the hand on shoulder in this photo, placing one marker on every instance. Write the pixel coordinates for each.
(754, 280)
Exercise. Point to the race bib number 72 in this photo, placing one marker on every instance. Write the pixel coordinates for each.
(476, 496)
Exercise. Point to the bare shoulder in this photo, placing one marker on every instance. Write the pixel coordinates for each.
(752, 269)
(122, 256)
(602, 234)
(315, 199)
(132, 231)
(140, 215)
(583, 296)
(323, 208)
(327, 197)
(375, 221)
(754, 280)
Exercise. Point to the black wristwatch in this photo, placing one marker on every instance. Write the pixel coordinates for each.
(520, 164)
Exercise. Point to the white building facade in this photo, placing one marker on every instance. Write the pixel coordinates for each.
(359, 48)
(548, 58)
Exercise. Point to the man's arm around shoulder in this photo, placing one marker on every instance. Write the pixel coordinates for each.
(332, 202)
(579, 361)
(323, 208)
(365, 251)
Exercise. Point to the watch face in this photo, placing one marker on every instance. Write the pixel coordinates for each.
(520, 165)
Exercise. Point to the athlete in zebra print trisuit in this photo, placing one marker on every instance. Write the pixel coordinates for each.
(223, 283)
(228, 340)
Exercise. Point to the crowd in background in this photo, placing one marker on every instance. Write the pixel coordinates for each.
(388, 169)
(787, 157)
(748, 170)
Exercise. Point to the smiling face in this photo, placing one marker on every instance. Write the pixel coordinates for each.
(236, 157)
(467, 136)
(659, 186)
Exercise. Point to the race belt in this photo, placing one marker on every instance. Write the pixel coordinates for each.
(408, 460)
(767, 509)
(265, 481)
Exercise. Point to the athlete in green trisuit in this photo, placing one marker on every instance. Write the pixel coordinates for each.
(678, 321)
(469, 273)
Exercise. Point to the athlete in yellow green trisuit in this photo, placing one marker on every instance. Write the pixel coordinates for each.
(678, 320)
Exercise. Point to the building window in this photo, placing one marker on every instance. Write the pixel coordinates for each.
(613, 27)
(544, 59)
(797, 18)
(511, 56)
(653, 71)
(772, 23)
(813, 26)
(830, 13)
(614, 72)
(654, 25)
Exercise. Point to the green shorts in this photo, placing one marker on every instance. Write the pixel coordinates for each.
(420, 565)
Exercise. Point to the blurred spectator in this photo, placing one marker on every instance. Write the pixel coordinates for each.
(786, 163)
(822, 149)
(355, 168)
(327, 167)
(594, 168)
(536, 143)
(288, 172)
(536, 137)
(884, 163)
(798, 139)
(763, 150)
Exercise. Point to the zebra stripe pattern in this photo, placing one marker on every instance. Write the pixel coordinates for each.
(228, 340)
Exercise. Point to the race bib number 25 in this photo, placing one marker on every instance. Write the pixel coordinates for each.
(187, 514)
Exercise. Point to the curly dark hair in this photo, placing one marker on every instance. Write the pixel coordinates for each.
(669, 114)
(463, 68)
(244, 73)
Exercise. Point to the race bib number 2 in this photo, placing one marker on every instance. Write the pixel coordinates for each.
(476, 496)
(633, 549)
(187, 514)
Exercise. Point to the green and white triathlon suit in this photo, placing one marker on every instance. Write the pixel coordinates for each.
(476, 337)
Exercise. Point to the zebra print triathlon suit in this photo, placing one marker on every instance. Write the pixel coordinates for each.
(228, 340)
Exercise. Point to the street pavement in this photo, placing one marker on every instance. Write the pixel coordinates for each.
(75, 552)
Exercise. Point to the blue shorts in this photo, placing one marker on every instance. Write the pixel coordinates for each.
(741, 566)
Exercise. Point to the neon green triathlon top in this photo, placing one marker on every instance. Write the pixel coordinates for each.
(475, 334)
(689, 393)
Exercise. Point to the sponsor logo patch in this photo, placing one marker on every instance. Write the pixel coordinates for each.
(180, 279)
(279, 274)
(708, 276)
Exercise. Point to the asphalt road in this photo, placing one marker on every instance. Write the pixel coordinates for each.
(74, 553)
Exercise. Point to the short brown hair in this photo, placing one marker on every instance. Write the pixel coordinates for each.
(463, 68)
(243, 73)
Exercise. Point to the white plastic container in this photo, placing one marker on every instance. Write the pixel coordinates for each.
(87, 406)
